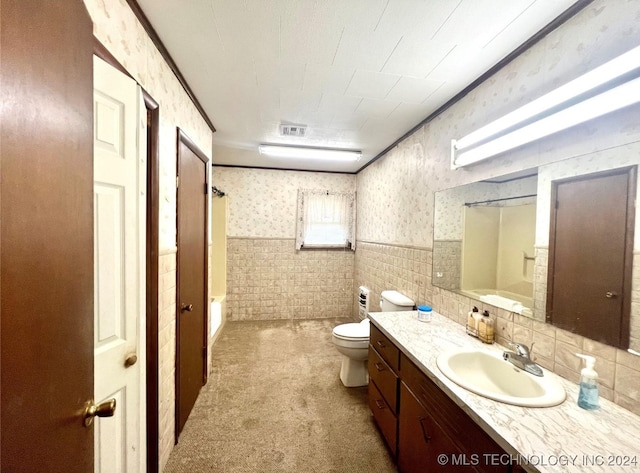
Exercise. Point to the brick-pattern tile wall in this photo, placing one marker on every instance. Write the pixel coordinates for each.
(167, 353)
(408, 270)
(268, 279)
(380, 267)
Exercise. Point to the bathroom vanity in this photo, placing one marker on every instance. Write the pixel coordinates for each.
(432, 424)
(429, 423)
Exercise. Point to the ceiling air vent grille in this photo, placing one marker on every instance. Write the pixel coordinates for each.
(293, 130)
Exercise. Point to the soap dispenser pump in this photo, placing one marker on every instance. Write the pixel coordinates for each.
(588, 397)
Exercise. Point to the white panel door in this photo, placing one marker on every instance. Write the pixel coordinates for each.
(119, 226)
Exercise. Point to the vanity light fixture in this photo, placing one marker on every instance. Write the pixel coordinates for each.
(609, 87)
(323, 154)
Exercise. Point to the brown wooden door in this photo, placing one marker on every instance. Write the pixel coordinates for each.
(46, 237)
(590, 256)
(192, 267)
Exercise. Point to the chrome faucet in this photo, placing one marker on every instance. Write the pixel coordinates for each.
(522, 359)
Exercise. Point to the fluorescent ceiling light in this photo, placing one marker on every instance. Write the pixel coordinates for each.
(541, 117)
(322, 154)
(609, 101)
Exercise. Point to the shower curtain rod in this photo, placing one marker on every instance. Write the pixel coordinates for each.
(217, 192)
(470, 204)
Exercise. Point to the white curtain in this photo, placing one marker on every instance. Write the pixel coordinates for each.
(325, 219)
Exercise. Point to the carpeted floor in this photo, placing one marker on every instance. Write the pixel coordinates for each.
(274, 403)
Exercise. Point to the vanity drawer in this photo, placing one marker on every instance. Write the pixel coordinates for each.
(384, 347)
(385, 379)
(455, 423)
(384, 417)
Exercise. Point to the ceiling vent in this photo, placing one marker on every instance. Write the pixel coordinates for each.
(299, 131)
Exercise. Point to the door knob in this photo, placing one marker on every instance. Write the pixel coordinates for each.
(130, 360)
(104, 409)
(186, 307)
(611, 295)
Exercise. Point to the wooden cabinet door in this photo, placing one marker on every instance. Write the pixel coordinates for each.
(473, 449)
(420, 438)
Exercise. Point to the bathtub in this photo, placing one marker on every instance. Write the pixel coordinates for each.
(504, 299)
(217, 314)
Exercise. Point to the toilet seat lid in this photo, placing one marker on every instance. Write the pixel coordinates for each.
(352, 331)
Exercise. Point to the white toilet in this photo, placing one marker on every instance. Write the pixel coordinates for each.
(352, 340)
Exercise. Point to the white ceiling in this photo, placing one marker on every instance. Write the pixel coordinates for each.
(358, 73)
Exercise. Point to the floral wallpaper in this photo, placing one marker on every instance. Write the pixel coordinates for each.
(396, 193)
(263, 202)
(395, 196)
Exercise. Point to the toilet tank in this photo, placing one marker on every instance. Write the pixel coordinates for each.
(393, 301)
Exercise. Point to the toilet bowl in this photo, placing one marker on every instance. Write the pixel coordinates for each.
(352, 340)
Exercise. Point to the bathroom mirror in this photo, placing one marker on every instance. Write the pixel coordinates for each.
(490, 240)
(484, 235)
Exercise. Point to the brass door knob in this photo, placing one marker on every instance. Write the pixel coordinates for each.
(186, 307)
(130, 360)
(610, 295)
(104, 409)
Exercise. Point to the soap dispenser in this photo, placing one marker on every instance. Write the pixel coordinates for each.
(472, 322)
(588, 397)
(486, 328)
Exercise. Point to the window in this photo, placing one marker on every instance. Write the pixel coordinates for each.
(325, 220)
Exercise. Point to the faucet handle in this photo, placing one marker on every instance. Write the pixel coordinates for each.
(522, 349)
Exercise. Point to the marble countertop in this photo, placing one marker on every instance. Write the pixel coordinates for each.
(550, 439)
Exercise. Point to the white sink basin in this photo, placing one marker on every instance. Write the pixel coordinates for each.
(490, 376)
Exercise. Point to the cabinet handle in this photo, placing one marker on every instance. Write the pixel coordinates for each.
(379, 366)
(381, 344)
(380, 404)
(427, 438)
